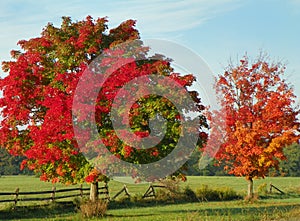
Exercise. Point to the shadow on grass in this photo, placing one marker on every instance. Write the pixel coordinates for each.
(127, 203)
(62, 210)
(245, 212)
(38, 211)
(242, 210)
(279, 196)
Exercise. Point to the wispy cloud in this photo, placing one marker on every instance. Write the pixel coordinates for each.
(157, 18)
(161, 17)
(295, 2)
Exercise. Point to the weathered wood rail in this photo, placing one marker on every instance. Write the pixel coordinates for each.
(54, 194)
(276, 188)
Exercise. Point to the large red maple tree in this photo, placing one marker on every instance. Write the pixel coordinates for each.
(260, 118)
(38, 93)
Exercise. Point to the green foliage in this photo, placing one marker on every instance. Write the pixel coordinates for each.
(205, 193)
(77, 201)
(212, 168)
(291, 166)
(136, 198)
(227, 193)
(262, 189)
(10, 165)
(171, 192)
(165, 195)
(190, 195)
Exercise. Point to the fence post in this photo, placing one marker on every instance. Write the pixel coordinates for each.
(53, 194)
(271, 187)
(81, 191)
(16, 196)
(126, 191)
(107, 192)
(153, 191)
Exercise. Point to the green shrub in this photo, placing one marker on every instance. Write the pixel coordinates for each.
(262, 189)
(90, 209)
(205, 193)
(77, 201)
(164, 195)
(227, 193)
(190, 195)
(136, 198)
(170, 192)
(173, 185)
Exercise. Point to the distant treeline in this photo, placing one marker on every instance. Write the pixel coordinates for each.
(10, 165)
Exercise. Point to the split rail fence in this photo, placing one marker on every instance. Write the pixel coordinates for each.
(53, 194)
(103, 192)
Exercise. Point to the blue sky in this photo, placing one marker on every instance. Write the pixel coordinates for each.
(217, 30)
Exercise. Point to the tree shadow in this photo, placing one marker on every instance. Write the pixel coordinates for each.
(64, 209)
(38, 211)
(241, 210)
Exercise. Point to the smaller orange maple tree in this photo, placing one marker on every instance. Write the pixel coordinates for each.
(260, 118)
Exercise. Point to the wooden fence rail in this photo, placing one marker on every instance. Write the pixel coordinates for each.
(53, 194)
(276, 188)
(151, 191)
(124, 189)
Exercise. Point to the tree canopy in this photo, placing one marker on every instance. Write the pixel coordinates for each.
(38, 94)
(260, 117)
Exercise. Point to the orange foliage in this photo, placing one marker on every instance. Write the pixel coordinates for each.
(261, 118)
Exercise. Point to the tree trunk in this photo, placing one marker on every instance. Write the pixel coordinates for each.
(94, 192)
(250, 188)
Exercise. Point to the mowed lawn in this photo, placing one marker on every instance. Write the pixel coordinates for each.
(239, 184)
(286, 208)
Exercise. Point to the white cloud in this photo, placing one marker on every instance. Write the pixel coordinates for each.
(153, 16)
(295, 2)
(162, 17)
(157, 18)
(294, 6)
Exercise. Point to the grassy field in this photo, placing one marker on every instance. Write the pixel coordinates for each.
(285, 207)
(239, 184)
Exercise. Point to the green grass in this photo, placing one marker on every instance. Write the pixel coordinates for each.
(275, 207)
(27, 183)
(30, 184)
(234, 210)
(239, 184)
